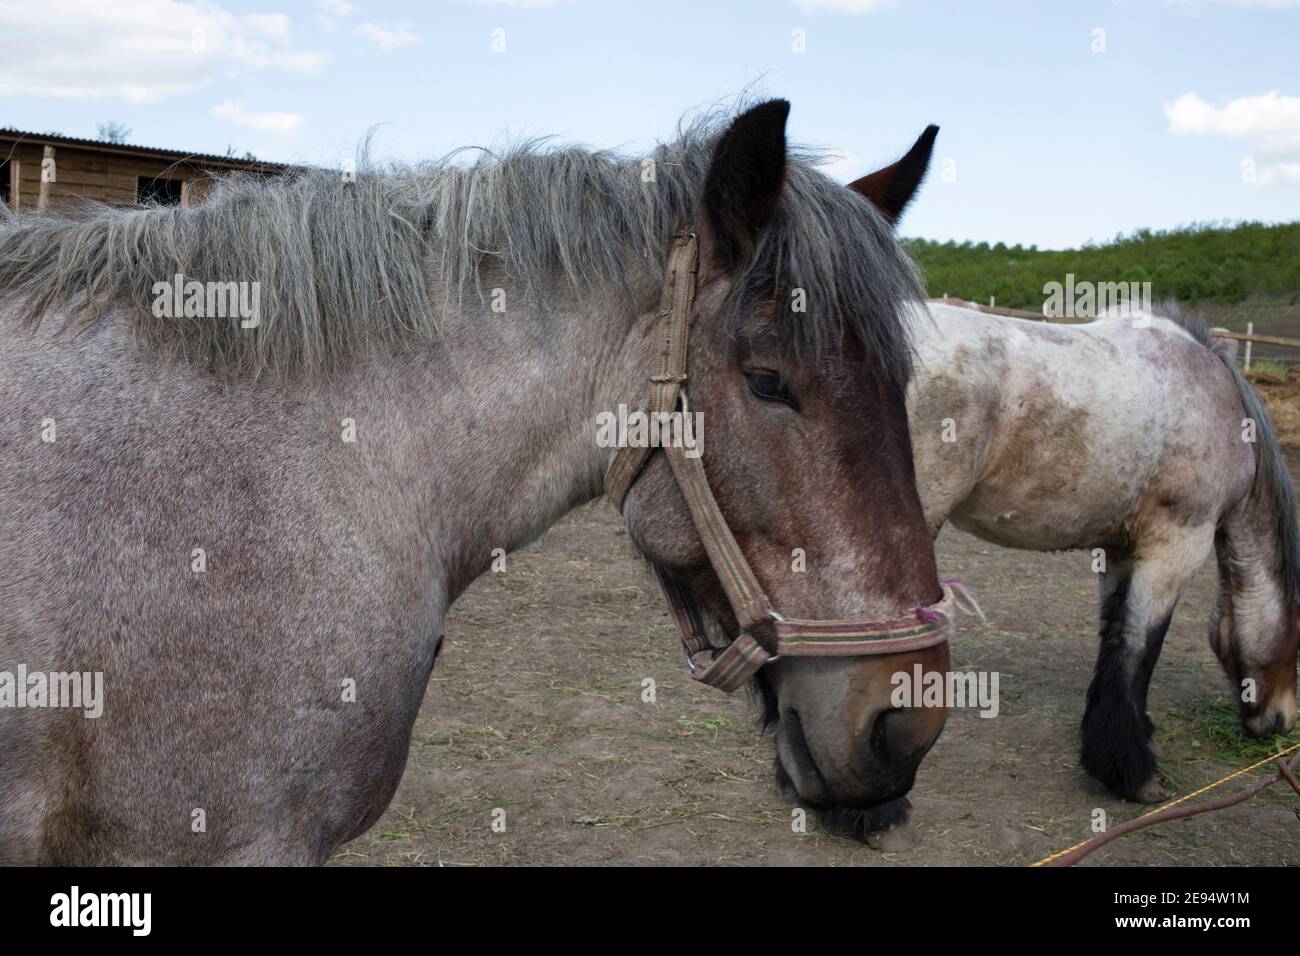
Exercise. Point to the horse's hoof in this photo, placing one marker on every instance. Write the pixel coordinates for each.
(1150, 792)
(895, 839)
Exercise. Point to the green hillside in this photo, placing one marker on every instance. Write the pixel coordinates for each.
(1204, 263)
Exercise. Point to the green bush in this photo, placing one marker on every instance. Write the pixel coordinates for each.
(1204, 262)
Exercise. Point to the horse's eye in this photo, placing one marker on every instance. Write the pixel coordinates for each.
(767, 385)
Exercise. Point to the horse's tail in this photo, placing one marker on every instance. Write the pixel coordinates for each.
(1272, 488)
(1253, 629)
(1273, 485)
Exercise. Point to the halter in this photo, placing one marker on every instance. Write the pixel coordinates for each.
(764, 635)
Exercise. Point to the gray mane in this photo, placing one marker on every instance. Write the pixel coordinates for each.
(1189, 322)
(343, 267)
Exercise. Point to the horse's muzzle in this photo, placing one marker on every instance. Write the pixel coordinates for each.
(880, 768)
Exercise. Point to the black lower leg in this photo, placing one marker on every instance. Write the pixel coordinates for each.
(1116, 728)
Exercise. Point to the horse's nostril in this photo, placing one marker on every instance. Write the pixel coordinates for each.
(897, 740)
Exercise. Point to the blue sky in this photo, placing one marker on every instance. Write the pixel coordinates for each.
(1190, 112)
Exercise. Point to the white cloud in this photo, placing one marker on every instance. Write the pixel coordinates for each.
(1270, 116)
(291, 61)
(387, 37)
(842, 6)
(1269, 123)
(281, 124)
(139, 51)
(330, 12)
(273, 26)
(1279, 174)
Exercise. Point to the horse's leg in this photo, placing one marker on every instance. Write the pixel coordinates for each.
(1115, 734)
(1138, 595)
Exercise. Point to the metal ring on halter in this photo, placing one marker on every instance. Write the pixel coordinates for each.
(779, 619)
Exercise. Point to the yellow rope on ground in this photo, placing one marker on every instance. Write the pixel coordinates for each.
(1169, 806)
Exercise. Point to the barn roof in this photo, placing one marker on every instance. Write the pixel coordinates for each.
(206, 160)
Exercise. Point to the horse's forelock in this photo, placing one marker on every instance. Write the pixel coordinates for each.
(837, 272)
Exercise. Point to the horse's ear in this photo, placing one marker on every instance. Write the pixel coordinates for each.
(892, 188)
(744, 181)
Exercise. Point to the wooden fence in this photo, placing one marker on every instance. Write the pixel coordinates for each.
(1249, 336)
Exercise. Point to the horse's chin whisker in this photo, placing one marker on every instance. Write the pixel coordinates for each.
(863, 822)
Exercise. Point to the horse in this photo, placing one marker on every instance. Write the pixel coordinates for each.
(251, 526)
(1133, 436)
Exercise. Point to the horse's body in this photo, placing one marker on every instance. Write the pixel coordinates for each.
(265, 596)
(1125, 435)
(219, 702)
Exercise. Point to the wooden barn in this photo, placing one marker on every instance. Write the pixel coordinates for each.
(39, 169)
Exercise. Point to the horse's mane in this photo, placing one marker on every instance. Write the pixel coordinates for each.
(346, 266)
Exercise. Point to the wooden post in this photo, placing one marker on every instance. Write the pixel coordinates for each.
(16, 185)
(48, 175)
(187, 196)
(1250, 330)
(992, 303)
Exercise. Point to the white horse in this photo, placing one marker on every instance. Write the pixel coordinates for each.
(1136, 436)
(1133, 435)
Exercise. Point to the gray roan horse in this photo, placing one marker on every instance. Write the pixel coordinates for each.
(253, 526)
(1134, 435)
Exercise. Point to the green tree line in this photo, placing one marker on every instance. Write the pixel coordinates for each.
(1204, 262)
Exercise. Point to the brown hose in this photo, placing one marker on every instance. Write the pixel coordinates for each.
(1285, 771)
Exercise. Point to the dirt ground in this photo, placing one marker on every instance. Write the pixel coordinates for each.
(536, 708)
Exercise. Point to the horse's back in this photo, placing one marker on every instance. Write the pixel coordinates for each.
(1067, 435)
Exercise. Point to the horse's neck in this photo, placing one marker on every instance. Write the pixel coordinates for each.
(502, 435)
